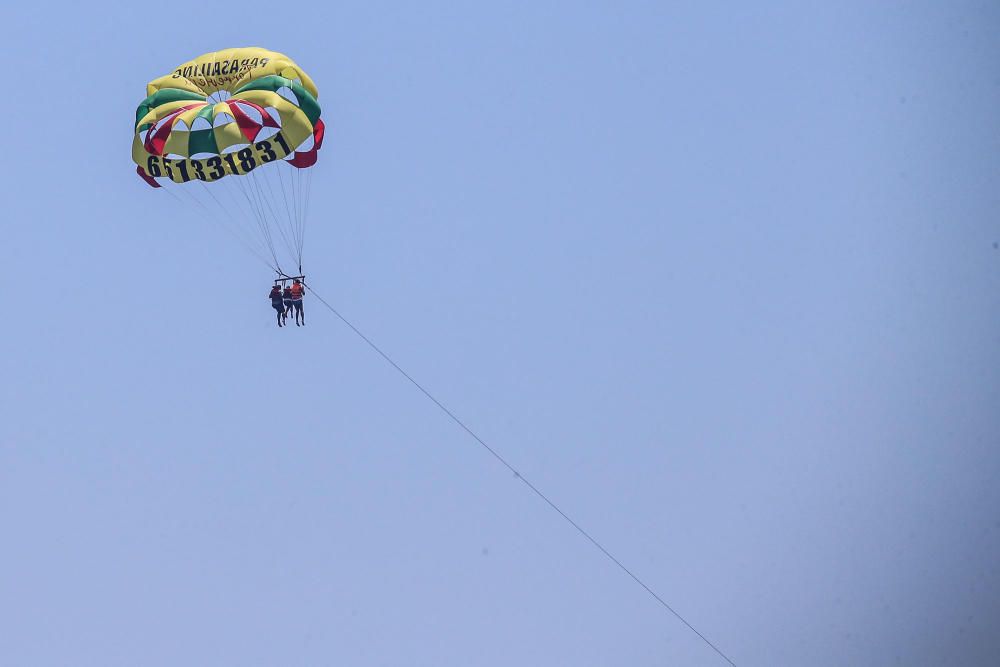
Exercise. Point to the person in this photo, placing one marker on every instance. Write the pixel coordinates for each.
(277, 302)
(286, 296)
(298, 290)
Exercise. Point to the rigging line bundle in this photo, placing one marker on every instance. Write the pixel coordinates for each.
(517, 474)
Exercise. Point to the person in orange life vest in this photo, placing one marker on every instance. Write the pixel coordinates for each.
(277, 302)
(298, 290)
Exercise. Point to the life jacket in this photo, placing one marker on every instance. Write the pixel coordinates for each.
(287, 294)
(296, 292)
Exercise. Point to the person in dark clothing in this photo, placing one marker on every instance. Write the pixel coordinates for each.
(286, 295)
(278, 303)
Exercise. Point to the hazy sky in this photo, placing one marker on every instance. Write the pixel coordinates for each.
(723, 282)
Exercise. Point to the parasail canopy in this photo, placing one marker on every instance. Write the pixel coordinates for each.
(245, 112)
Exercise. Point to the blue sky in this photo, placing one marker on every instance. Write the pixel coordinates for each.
(723, 283)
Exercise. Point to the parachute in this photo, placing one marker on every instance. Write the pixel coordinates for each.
(247, 113)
